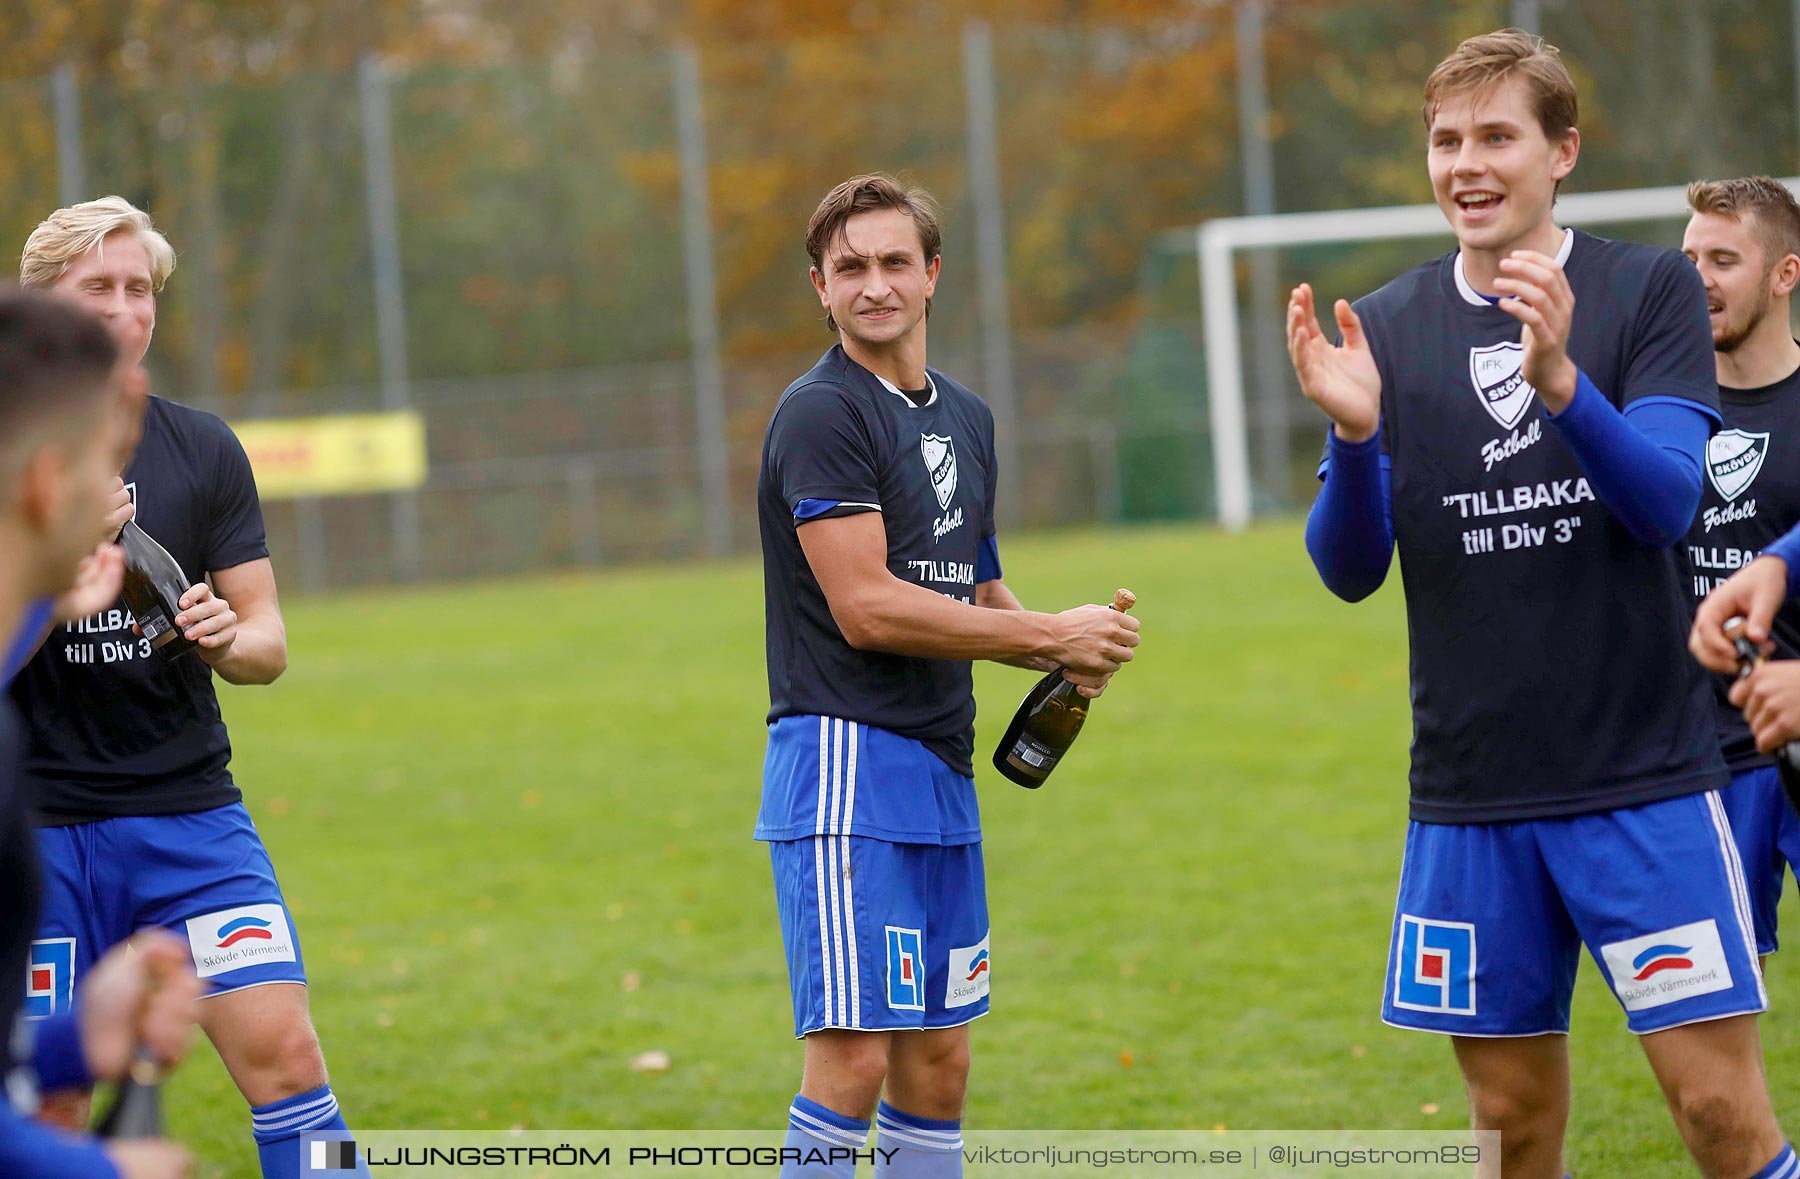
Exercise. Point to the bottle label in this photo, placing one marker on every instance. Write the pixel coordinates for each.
(1038, 757)
(154, 626)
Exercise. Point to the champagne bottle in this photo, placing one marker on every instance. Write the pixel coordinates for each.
(137, 1111)
(1047, 722)
(1787, 758)
(154, 584)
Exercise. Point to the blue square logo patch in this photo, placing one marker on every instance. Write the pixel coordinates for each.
(1434, 966)
(905, 969)
(50, 978)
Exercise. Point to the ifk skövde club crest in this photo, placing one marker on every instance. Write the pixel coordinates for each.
(1503, 390)
(1733, 457)
(940, 460)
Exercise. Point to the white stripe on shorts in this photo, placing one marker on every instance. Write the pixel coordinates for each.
(1740, 891)
(819, 871)
(849, 904)
(837, 921)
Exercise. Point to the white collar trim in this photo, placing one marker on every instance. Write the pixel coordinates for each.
(1471, 295)
(897, 392)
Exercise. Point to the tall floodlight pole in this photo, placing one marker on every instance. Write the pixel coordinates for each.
(990, 258)
(703, 302)
(390, 295)
(1266, 340)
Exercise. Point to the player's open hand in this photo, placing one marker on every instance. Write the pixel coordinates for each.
(149, 1158)
(1770, 698)
(1544, 303)
(96, 586)
(207, 620)
(1754, 593)
(142, 991)
(1095, 641)
(1340, 379)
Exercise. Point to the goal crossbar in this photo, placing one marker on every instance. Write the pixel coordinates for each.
(1218, 241)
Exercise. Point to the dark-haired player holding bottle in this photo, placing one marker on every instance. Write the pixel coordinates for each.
(882, 582)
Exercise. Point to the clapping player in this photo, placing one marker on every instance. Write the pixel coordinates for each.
(1525, 419)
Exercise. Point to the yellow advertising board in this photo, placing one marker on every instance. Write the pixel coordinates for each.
(345, 454)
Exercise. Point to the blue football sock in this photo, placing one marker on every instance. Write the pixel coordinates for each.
(279, 1125)
(828, 1142)
(1785, 1165)
(923, 1148)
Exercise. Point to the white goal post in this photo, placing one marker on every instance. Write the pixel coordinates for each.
(1219, 240)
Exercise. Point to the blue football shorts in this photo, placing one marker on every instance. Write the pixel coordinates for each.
(882, 936)
(1491, 918)
(205, 876)
(1767, 833)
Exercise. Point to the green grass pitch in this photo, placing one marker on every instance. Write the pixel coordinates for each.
(513, 821)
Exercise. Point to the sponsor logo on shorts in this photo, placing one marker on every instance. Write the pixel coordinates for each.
(1668, 966)
(905, 969)
(1434, 966)
(50, 977)
(232, 939)
(968, 975)
(234, 932)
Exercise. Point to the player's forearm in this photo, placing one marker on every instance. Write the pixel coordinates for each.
(258, 655)
(996, 595)
(1350, 531)
(898, 618)
(1648, 477)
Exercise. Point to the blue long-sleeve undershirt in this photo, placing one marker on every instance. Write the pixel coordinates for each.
(29, 1148)
(1788, 549)
(56, 1055)
(1643, 464)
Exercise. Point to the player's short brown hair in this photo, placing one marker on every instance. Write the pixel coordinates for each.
(870, 193)
(1484, 62)
(1773, 216)
(56, 361)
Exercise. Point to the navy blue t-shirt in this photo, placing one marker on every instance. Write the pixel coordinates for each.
(840, 436)
(1751, 497)
(1550, 674)
(112, 728)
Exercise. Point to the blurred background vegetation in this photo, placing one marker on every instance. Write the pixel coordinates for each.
(547, 297)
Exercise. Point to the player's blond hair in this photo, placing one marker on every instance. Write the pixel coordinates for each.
(1760, 203)
(1484, 62)
(68, 233)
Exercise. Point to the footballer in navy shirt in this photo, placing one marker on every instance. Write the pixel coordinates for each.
(881, 583)
(127, 756)
(1524, 420)
(1744, 238)
(62, 395)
